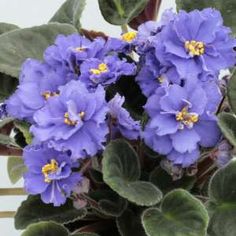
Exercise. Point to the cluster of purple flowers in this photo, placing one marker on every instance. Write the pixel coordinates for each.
(181, 58)
(64, 97)
(64, 100)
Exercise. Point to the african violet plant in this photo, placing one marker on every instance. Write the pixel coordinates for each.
(127, 136)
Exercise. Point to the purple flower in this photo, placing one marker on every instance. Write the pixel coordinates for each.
(152, 74)
(74, 120)
(104, 71)
(147, 32)
(49, 174)
(121, 120)
(184, 118)
(68, 52)
(195, 42)
(38, 83)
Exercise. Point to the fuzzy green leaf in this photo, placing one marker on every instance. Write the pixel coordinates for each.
(120, 12)
(34, 210)
(121, 171)
(129, 224)
(109, 203)
(15, 168)
(70, 12)
(227, 124)
(222, 203)
(180, 214)
(24, 128)
(232, 92)
(6, 27)
(45, 229)
(20, 44)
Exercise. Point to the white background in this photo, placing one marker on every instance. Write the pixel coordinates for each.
(26, 13)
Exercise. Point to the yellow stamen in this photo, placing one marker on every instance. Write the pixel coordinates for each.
(101, 69)
(195, 48)
(187, 118)
(68, 121)
(79, 49)
(161, 79)
(130, 36)
(48, 94)
(81, 115)
(50, 168)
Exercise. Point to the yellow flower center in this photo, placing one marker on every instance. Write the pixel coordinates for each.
(187, 118)
(161, 79)
(70, 122)
(79, 49)
(128, 37)
(195, 48)
(101, 69)
(48, 94)
(50, 168)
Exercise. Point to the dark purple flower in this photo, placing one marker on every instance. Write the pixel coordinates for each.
(121, 120)
(104, 71)
(49, 174)
(38, 83)
(184, 117)
(74, 120)
(195, 42)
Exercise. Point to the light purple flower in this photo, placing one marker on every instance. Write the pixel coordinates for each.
(184, 118)
(38, 83)
(74, 120)
(104, 71)
(195, 42)
(121, 120)
(49, 174)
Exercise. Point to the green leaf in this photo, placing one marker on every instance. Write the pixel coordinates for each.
(24, 128)
(8, 86)
(34, 210)
(6, 140)
(15, 168)
(6, 27)
(226, 7)
(180, 214)
(222, 203)
(165, 183)
(20, 44)
(70, 12)
(121, 171)
(227, 124)
(231, 92)
(109, 203)
(129, 224)
(45, 229)
(120, 12)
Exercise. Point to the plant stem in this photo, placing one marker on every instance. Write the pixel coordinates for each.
(12, 192)
(124, 29)
(7, 214)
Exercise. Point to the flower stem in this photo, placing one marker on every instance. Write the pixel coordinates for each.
(124, 29)
(7, 214)
(12, 192)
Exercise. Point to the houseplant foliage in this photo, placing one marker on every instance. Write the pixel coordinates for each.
(123, 136)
